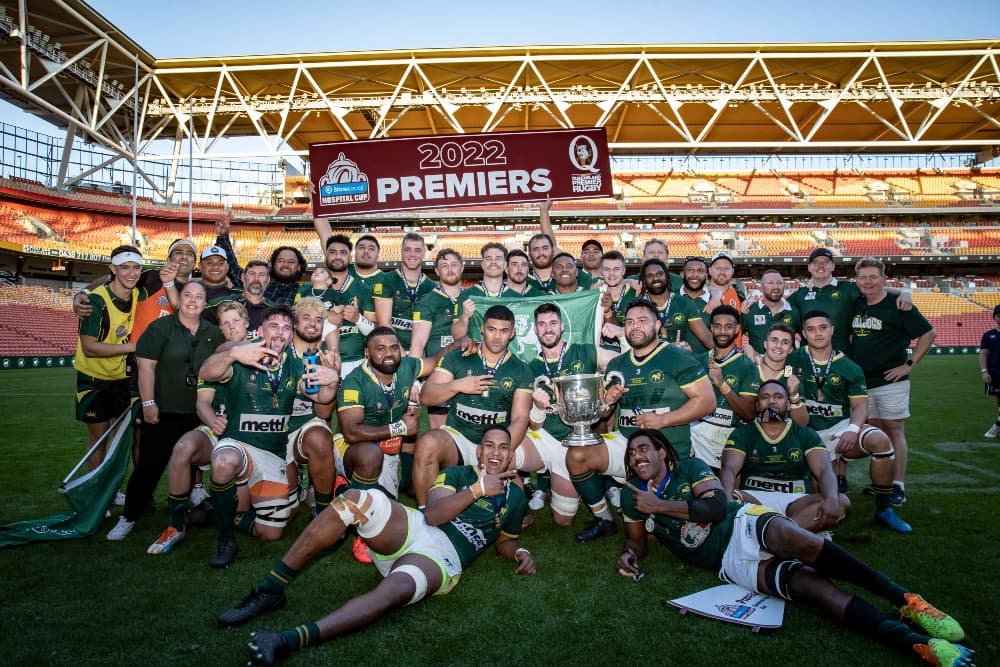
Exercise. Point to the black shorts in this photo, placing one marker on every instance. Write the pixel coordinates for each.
(100, 400)
(992, 389)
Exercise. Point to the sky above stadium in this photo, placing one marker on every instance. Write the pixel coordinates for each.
(191, 28)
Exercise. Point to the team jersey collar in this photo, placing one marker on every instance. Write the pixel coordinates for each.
(784, 305)
(769, 439)
(659, 348)
(809, 283)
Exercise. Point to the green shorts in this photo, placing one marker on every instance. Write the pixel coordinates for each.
(100, 400)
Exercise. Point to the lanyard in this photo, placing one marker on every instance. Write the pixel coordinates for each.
(486, 291)
(390, 391)
(498, 506)
(347, 282)
(411, 292)
(548, 369)
(662, 485)
(441, 290)
(544, 284)
(493, 371)
(820, 379)
(616, 306)
(274, 380)
(729, 355)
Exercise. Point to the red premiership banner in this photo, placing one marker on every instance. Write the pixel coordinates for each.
(458, 170)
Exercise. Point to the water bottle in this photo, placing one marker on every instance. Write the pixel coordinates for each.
(311, 357)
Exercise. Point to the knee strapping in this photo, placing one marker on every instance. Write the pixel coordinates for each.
(872, 430)
(369, 513)
(519, 457)
(564, 505)
(419, 580)
(778, 575)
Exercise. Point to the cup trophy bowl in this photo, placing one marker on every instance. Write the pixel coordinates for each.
(579, 404)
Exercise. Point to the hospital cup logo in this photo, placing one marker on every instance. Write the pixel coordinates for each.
(343, 183)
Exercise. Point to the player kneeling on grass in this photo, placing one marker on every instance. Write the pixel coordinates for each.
(418, 553)
(775, 461)
(682, 504)
(262, 383)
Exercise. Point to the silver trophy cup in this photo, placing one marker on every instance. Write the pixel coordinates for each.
(578, 404)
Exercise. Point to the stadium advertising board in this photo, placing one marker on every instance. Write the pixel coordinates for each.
(352, 177)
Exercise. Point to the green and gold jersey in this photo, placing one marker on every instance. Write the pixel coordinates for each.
(481, 523)
(304, 407)
(618, 307)
(676, 281)
(437, 308)
(778, 464)
(259, 404)
(547, 286)
(741, 375)
(759, 319)
(382, 404)
(827, 388)
(393, 286)
(218, 395)
(505, 292)
(573, 360)
(110, 321)
(369, 280)
(352, 341)
(656, 383)
(683, 310)
(470, 414)
(327, 295)
(882, 332)
(701, 544)
(585, 280)
(836, 300)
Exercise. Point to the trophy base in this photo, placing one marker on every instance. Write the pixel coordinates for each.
(582, 439)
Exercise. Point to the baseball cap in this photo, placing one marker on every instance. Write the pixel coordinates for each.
(821, 252)
(179, 242)
(996, 309)
(722, 255)
(213, 251)
(592, 242)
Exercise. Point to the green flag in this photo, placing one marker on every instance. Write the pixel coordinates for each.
(89, 495)
(579, 315)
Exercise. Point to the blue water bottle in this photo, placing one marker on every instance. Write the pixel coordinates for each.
(311, 357)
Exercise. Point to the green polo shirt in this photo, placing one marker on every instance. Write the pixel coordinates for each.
(178, 353)
(759, 319)
(836, 300)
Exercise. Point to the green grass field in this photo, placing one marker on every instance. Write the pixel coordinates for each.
(97, 602)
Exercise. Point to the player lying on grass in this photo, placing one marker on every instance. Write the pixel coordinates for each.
(682, 504)
(419, 554)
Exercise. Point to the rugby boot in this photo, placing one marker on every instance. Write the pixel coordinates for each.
(898, 496)
(168, 539)
(935, 622)
(942, 653)
(256, 602)
(597, 529)
(267, 647)
(993, 432)
(892, 521)
(225, 552)
(360, 551)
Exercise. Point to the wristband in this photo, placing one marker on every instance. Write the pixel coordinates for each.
(519, 550)
(909, 362)
(364, 325)
(84, 291)
(148, 404)
(983, 371)
(169, 283)
(537, 415)
(852, 428)
(725, 389)
(397, 428)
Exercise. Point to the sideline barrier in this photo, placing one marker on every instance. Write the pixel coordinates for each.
(36, 361)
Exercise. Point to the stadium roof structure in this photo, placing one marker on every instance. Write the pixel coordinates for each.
(66, 63)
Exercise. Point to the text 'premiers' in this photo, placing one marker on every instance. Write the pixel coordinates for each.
(468, 184)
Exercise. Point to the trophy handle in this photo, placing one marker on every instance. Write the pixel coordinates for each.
(611, 377)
